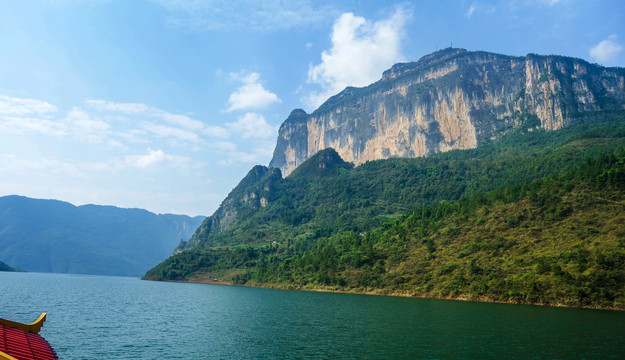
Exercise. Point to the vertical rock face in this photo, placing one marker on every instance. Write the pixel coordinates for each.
(451, 99)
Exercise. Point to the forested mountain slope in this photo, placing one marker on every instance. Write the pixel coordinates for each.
(535, 217)
(325, 195)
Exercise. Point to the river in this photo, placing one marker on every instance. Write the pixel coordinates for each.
(99, 317)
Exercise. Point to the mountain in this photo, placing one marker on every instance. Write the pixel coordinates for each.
(55, 236)
(491, 223)
(5, 267)
(496, 136)
(557, 240)
(451, 99)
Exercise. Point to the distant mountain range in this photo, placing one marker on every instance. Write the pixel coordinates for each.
(55, 236)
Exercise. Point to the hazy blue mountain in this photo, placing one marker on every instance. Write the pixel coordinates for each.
(55, 236)
(5, 267)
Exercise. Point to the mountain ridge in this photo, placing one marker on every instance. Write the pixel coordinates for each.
(359, 166)
(450, 99)
(549, 232)
(414, 182)
(56, 236)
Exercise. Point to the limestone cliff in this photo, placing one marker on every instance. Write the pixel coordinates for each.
(451, 99)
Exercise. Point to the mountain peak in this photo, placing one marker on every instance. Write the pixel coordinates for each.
(298, 112)
(323, 163)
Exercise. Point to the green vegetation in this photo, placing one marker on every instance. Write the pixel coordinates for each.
(535, 217)
(325, 195)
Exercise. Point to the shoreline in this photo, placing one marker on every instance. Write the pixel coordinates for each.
(393, 294)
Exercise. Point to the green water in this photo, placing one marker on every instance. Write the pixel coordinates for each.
(93, 317)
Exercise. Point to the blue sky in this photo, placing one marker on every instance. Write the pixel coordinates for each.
(166, 104)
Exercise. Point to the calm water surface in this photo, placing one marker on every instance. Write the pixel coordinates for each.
(95, 317)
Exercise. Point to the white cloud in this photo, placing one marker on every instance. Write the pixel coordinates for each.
(252, 125)
(142, 109)
(181, 120)
(251, 94)
(189, 129)
(18, 106)
(88, 128)
(81, 121)
(153, 158)
(25, 124)
(606, 50)
(216, 131)
(136, 136)
(229, 15)
(30, 117)
(471, 10)
(125, 108)
(360, 52)
(139, 122)
(165, 131)
(40, 167)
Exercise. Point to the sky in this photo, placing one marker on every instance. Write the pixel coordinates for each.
(165, 105)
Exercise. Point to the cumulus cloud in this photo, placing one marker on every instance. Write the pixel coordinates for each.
(153, 158)
(361, 51)
(226, 15)
(252, 125)
(606, 50)
(251, 94)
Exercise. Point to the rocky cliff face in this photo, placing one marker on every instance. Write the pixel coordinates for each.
(451, 99)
